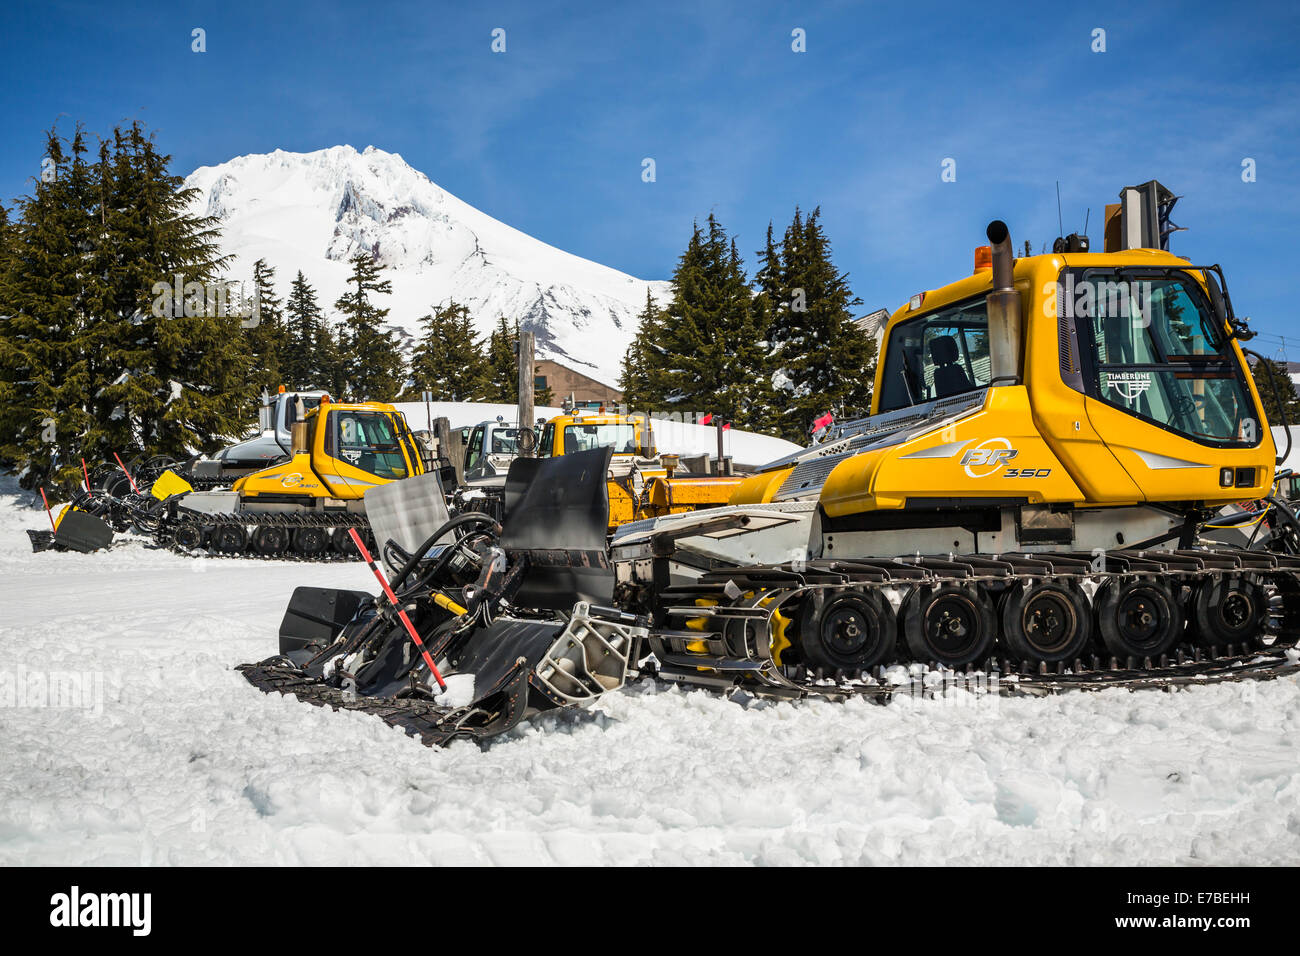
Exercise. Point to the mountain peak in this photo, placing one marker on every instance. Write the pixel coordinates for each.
(314, 211)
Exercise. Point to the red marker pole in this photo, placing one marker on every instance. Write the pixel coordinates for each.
(48, 512)
(86, 472)
(401, 614)
(125, 472)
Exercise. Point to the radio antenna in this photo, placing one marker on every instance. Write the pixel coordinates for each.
(1059, 222)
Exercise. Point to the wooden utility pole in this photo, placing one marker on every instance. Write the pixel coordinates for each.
(526, 378)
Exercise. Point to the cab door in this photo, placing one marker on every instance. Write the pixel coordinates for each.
(474, 453)
(361, 449)
(1165, 389)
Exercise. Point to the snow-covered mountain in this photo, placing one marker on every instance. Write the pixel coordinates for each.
(312, 211)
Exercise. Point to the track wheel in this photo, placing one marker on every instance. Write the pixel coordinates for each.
(952, 624)
(229, 538)
(1228, 611)
(1137, 618)
(270, 539)
(851, 630)
(190, 536)
(1046, 622)
(310, 541)
(341, 542)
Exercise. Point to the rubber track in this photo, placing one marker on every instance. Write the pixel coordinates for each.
(433, 724)
(1184, 665)
(249, 521)
(1007, 679)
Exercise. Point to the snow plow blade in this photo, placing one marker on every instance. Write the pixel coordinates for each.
(504, 619)
(77, 531)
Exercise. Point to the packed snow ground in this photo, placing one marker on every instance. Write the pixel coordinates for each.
(173, 759)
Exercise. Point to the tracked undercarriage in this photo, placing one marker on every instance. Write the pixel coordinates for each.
(1050, 621)
(300, 537)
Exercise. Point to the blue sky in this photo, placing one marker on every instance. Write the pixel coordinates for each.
(550, 136)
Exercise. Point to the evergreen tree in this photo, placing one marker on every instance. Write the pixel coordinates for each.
(183, 380)
(97, 354)
(301, 359)
(1286, 391)
(634, 378)
(502, 382)
(708, 350)
(43, 300)
(448, 359)
(823, 361)
(372, 357)
(332, 360)
(266, 338)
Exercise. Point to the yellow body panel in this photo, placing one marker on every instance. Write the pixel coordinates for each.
(995, 453)
(297, 476)
(169, 483)
(674, 495)
(662, 495)
(758, 489)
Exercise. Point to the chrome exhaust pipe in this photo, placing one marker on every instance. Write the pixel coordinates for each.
(1006, 323)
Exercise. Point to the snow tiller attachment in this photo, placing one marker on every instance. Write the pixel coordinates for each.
(480, 624)
(88, 522)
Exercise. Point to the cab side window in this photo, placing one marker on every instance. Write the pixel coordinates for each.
(937, 356)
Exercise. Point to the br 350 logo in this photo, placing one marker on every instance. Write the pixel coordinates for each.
(991, 454)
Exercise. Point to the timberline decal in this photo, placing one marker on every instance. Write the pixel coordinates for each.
(1128, 384)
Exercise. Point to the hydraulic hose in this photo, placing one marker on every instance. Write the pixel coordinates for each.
(472, 517)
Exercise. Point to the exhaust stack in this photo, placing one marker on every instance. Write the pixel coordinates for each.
(1006, 324)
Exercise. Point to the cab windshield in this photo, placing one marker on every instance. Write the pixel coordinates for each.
(1153, 347)
(366, 440)
(505, 441)
(580, 437)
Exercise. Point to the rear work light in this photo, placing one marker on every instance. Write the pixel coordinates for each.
(915, 301)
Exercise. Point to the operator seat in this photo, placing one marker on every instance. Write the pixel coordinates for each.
(949, 377)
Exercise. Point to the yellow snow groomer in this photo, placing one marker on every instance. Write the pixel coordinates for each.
(304, 507)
